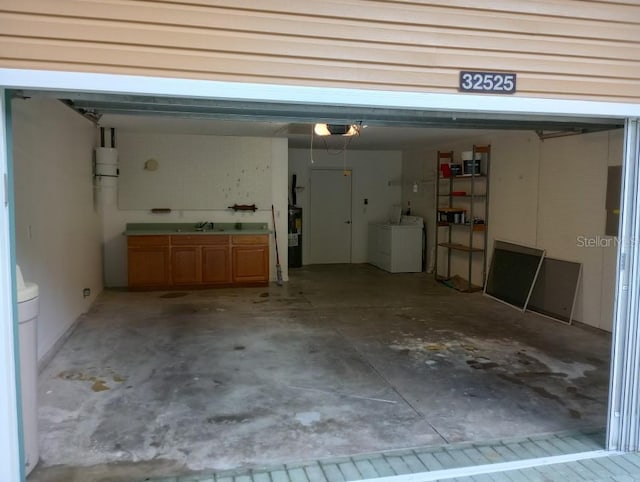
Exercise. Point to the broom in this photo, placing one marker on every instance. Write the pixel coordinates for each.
(275, 238)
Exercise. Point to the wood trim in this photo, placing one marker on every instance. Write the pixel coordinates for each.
(199, 239)
(135, 241)
(258, 239)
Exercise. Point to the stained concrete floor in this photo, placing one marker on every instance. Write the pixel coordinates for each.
(341, 360)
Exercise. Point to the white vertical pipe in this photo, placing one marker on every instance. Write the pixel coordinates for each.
(624, 395)
(10, 467)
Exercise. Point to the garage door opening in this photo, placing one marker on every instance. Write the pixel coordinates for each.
(366, 340)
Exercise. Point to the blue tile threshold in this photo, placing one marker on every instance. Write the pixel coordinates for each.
(566, 456)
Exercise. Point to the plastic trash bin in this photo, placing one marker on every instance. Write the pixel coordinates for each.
(28, 308)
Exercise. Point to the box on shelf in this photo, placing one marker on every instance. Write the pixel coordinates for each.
(452, 215)
(470, 167)
(469, 164)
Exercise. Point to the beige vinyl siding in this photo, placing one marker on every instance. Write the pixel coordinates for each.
(586, 49)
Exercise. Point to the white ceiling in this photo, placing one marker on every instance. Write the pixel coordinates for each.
(299, 135)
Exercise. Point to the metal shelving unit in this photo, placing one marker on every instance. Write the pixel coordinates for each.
(466, 211)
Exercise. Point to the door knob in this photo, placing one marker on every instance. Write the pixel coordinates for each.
(347, 222)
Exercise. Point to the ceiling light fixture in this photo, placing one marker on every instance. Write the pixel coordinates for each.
(346, 130)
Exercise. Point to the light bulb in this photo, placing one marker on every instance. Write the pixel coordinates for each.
(321, 130)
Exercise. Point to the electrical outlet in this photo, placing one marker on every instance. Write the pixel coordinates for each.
(86, 292)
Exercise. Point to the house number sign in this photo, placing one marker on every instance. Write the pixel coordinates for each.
(487, 82)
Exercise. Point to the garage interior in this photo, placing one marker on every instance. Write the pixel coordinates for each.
(344, 358)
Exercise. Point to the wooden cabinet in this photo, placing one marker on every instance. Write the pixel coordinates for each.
(200, 259)
(149, 261)
(216, 260)
(250, 259)
(203, 260)
(216, 265)
(186, 266)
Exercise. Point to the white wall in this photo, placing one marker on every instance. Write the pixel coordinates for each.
(572, 193)
(58, 231)
(371, 173)
(196, 172)
(545, 194)
(136, 148)
(418, 167)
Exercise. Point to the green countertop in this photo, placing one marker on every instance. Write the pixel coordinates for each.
(142, 229)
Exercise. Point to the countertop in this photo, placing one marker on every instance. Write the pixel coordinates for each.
(148, 229)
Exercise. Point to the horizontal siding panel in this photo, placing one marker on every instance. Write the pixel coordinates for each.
(559, 48)
(304, 52)
(292, 69)
(435, 14)
(609, 11)
(240, 14)
(314, 46)
(396, 11)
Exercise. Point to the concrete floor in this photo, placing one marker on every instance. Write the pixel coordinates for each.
(341, 360)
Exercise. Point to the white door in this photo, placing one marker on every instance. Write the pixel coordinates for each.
(330, 216)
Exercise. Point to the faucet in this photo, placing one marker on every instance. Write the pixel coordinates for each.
(203, 226)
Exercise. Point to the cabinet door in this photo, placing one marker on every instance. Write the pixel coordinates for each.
(216, 265)
(185, 265)
(250, 264)
(148, 266)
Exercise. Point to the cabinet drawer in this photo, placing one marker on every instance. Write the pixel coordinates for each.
(250, 239)
(199, 239)
(147, 240)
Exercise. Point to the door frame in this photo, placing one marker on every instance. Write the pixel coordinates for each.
(627, 313)
(350, 214)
